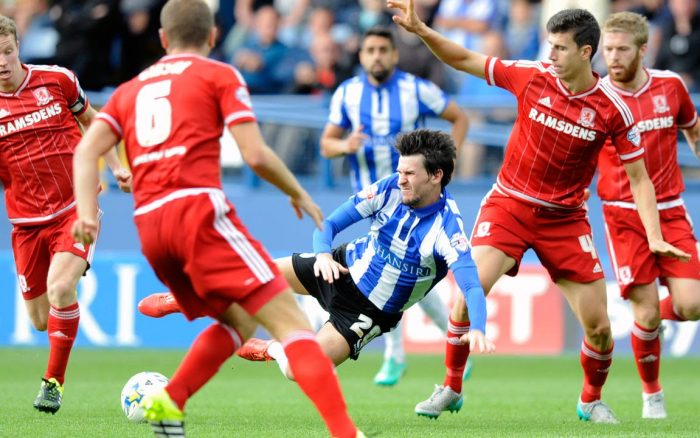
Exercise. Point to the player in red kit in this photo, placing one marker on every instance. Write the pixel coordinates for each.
(661, 105)
(41, 110)
(171, 117)
(565, 114)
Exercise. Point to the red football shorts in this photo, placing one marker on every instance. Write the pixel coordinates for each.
(633, 262)
(561, 239)
(201, 251)
(34, 246)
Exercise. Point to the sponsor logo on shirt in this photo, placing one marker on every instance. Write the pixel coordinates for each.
(4, 113)
(30, 119)
(546, 101)
(42, 95)
(562, 125)
(243, 96)
(459, 242)
(393, 260)
(655, 124)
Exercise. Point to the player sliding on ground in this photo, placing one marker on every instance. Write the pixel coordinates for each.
(565, 115)
(416, 235)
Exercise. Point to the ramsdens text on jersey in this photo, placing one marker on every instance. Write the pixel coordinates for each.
(562, 125)
(30, 119)
(655, 123)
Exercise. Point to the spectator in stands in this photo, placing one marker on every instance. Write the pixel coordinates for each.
(680, 41)
(465, 22)
(140, 45)
(86, 30)
(657, 14)
(261, 56)
(324, 70)
(36, 31)
(522, 36)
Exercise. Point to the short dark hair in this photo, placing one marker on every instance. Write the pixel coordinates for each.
(186, 23)
(379, 31)
(437, 148)
(8, 27)
(582, 25)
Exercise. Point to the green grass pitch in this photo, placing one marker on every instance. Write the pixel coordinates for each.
(506, 396)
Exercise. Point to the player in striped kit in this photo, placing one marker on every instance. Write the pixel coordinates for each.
(42, 109)
(367, 112)
(661, 105)
(416, 235)
(565, 114)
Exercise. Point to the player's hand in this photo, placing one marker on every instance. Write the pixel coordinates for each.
(304, 204)
(409, 19)
(327, 268)
(477, 342)
(356, 140)
(84, 231)
(123, 177)
(665, 249)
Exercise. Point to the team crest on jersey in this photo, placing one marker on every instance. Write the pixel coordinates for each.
(587, 118)
(660, 104)
(368, 192)
(42, 96)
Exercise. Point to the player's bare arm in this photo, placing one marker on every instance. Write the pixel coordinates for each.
(266, 164)
(98, 139)
(645, 199)
(692, 136)
(334, 143)
(448, 52)
(460, 123)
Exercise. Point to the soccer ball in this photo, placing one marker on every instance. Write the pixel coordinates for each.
(136, 388)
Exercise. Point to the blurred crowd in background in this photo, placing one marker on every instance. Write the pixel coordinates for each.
(310, 46)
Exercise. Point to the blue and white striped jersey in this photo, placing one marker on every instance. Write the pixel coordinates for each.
(407, 251)
(398, 105)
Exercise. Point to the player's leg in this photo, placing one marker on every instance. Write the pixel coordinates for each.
(685, 298)
(491, 263)
(394, 364)
(588, 301)
(311, 368)
(32, 259)
(62, 326)
(646, 346)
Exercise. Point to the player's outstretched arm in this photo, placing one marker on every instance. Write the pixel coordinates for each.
(645, 197)
(692, 135)
(98, 139)
(266, 164)
(334, 143)
(460, 123)
(448, 52)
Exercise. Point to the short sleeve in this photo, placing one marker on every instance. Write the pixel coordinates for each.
(513, 76)
(624, 133)
(76, 98)
(687, 115)
(433, 100)
(233, 96)
(337, 114)
(109, 113)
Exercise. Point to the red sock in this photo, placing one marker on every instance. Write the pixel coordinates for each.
(596, 365)
(62, 327)
(456, 355)
(315, 375)
(667, 310)
(206, 355)
(647, 351)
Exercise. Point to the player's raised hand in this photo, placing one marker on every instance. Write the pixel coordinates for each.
(665, 249)
(327, 268)
(123, 177)
(408, 19)
(356, 140)
(84, 231)
(304, 204)
(477, 342)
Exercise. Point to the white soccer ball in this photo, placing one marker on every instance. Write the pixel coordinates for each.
(138, 387)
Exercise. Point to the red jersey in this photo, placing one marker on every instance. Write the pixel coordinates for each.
(552, 152)
(171, 117)
(38, 134)
(660, 106)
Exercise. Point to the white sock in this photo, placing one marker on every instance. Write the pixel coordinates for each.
(276, 351)
(436, 310)
(393, 348)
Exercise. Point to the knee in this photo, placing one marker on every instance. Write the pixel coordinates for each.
(39, 321)
(599, 335)
(688, 311)
(59, 290)
(647, 316)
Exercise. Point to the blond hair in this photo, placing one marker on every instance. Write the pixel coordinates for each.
(629, 22)
(8, 27)
(186, 23)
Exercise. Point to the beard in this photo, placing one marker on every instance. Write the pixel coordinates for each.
(628, 73)
(380, 75)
